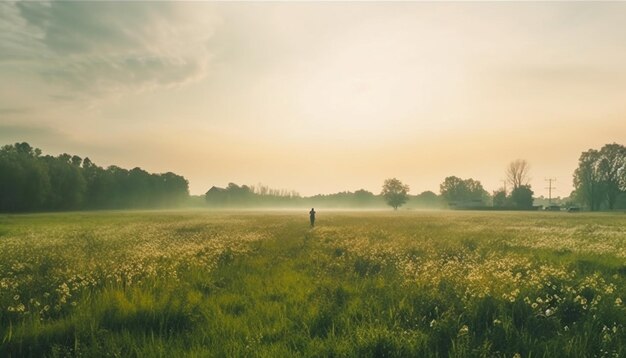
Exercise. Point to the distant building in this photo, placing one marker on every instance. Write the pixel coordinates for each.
(216, 195)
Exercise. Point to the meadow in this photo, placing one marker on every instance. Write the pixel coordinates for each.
(360, 284)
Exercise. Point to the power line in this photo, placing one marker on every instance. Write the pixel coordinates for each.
(550, 187)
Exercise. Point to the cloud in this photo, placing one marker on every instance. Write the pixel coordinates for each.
(13, 110)
(107, 48)
(10, 133)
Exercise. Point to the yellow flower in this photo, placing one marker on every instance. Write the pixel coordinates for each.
(464, 330)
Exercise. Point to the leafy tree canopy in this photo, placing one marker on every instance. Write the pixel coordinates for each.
(395, 193)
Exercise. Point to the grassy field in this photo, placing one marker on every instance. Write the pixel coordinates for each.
(392, 284)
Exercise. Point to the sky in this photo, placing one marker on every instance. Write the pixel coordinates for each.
(317, 97)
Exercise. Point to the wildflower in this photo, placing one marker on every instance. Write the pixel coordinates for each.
(464, 330)
(618, 301)
(549, 312)
(433, 323)
(496, 321)
(16, 297)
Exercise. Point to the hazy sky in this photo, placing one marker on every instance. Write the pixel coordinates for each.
(317, 97)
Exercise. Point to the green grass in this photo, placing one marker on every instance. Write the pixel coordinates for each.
(361, 284)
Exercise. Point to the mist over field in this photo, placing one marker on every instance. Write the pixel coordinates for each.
(312, 179)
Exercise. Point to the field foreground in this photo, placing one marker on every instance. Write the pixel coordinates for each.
(392, 284)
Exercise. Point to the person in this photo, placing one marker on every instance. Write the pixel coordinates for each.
(312, 217)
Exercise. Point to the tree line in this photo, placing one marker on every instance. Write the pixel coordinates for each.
(599, 184)
(458, 193)
(30, 181)
(237, 196)
(241, 196)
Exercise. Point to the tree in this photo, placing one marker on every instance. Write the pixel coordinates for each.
(67, 183)
(612, 165)
(522, 197)
(499, 198)
(363, 197)
(395, 193)
(600, 179)
(24, 178)
(517, 173)
(175, 188)
(589, 188)
(464, 191)
(427, 199)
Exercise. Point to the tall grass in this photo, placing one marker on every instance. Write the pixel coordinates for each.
(194, 284)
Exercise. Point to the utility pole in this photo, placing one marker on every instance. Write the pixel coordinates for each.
(550, 187)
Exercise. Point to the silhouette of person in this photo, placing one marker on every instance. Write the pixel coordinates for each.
(312, 216)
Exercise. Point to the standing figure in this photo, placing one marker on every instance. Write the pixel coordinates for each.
(312, 217)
